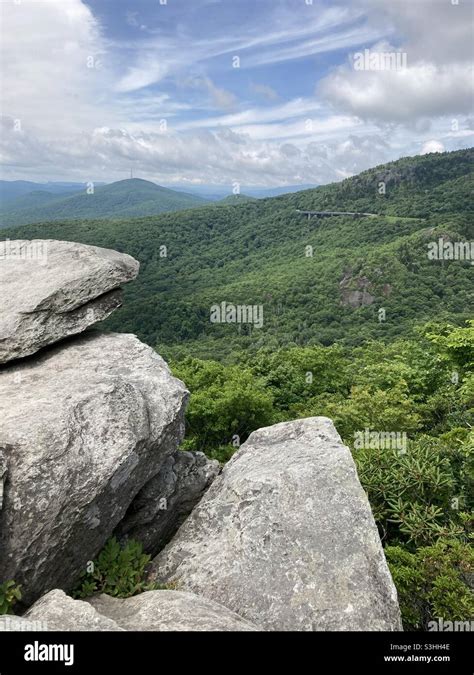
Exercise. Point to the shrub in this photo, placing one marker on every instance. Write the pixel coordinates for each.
(118, 571)
(434, 582)
(226, 402)
(9, 594)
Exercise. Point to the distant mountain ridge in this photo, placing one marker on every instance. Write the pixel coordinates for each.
(217, 193)
(11, 190)
(25, 202)
(132, 197)
(319, 280)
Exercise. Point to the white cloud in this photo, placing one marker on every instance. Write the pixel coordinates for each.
(437, 31)
(294, 108)
(349, 37)
(432, 146)
(421, 90)
(314, 31)
(52, 61)
(438, 78)
(220, 98)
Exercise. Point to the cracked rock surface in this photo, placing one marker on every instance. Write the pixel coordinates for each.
(285, 537)
(84, 426)
(51, 289)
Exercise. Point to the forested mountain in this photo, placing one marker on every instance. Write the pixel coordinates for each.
(319, 280)
(236, 199)
(131, 197)
(11, 190)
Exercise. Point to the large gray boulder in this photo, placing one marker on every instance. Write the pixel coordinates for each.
(52, 289)
(169, 611)
(57, 611)
(84, 426)
(285, 537)
(151, 611)
(167, 499)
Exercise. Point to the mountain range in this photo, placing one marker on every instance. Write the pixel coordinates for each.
(318, 280)
(126, 198)
(23, 202)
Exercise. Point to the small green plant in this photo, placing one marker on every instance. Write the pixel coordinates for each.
(10, 592)
(119, 571)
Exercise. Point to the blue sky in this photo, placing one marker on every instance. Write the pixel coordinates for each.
(261, 92)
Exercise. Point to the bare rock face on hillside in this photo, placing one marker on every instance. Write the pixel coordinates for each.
(285, 537)
(355, 292)
(84, 426)
(167, 499)
(52, 289)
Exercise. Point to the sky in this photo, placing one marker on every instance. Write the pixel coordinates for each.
(225, 92)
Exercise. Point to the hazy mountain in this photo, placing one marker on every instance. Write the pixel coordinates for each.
(13, 189)
(263, 193)
(219, 192)
(125, 198)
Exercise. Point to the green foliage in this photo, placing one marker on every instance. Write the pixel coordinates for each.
(10, 592)
(227, 403)
(118, 571)
(457, 344)
(434, 582)
(411, 493)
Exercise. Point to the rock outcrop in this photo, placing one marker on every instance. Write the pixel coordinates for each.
(58, 611)
(162, 611)
(355, 292)
(84, 426)
(285, 537)
(52, 289)
(169, 611)
(166, 500)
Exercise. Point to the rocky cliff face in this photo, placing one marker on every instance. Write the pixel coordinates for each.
(84, 427)
(85, 424)
(283, 539)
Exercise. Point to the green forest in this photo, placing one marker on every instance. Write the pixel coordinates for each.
(359, 324)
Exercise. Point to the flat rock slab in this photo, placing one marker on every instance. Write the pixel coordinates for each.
(161, 611)
(51, 289)
(84, 426)
(285, 537)
(169, 611)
